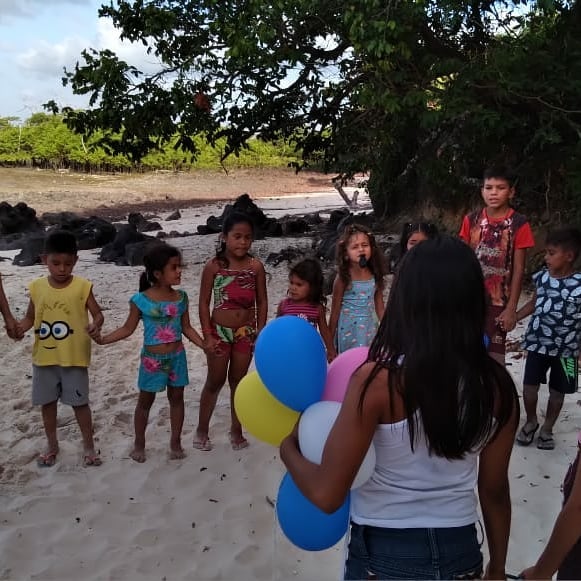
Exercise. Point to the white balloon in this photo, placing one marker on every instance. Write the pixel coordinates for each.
(314, 427)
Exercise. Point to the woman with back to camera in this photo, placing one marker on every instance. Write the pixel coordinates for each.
(442, 415)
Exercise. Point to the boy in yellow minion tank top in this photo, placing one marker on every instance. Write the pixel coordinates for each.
(58, 311)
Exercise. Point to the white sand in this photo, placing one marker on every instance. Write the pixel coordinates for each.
(205, 517)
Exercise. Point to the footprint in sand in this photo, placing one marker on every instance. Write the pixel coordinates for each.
(121, 418)
(147, 538)
(163, 416)
(21, 405)
(247, 555)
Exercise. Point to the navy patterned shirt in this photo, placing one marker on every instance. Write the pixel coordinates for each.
(555, 324)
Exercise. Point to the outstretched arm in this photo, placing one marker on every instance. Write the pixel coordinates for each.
(261, 298)
(205, 297)
(191, 333)
(508, 317)
(327, 485)
(528, 308)
(124, 331)
(94, 328)
(336, 300)
(566, 533)
(9, 320)
(326, 334)
(27, 321)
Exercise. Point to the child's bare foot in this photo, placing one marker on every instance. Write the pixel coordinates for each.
(91, 458)
(138, 454)
(238, 441)
(48, 458)
(176, 453)
(202, 442)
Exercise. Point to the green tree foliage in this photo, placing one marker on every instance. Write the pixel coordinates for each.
(423, 93)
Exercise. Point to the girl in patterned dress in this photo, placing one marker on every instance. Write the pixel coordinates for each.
(358, 302)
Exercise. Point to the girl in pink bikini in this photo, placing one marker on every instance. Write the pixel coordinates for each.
(237, 282)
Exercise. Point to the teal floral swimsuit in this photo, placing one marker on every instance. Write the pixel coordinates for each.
(162, 324)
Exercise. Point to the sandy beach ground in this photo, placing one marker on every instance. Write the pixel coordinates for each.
(209, 516)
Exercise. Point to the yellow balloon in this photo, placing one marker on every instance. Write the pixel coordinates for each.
(261, 413)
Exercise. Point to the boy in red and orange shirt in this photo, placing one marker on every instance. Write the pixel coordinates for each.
(500, 237)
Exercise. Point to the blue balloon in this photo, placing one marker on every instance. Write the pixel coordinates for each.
(291, 362)
(486, 341)
(305, 525)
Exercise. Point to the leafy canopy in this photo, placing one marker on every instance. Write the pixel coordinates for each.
(421, 92)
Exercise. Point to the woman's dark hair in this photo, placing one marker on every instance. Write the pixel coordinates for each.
(155, 259)
(230, 221)
(310, 271)
(431, 341)
(376, 263)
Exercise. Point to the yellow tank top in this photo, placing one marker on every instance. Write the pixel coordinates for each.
(60, 323)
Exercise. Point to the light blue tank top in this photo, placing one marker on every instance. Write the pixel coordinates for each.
(162, 320)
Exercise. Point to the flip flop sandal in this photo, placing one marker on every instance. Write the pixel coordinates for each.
(526, 437)
(238, 444)
(92, 460)
(545, 442)
(203, 444)
(46, 460)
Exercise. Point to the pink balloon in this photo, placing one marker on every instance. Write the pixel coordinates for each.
(340, 371)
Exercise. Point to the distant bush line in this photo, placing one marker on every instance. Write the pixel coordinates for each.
(44, 141)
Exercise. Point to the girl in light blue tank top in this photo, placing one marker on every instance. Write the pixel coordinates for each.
(357, 303)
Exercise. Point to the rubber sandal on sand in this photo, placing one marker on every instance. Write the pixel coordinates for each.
(525, 437)
(46, 460)
(203, 444)
(92, 460)
(545, 441)
(238, 444)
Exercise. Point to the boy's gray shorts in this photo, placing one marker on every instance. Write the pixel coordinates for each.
(53, 382)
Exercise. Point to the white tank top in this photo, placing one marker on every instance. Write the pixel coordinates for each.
(415, 489)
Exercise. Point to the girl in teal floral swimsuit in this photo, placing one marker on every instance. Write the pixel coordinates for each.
(165, 316)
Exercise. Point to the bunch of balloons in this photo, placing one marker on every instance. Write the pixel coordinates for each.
(291, 381)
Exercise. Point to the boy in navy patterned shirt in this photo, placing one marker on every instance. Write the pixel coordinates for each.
(552, 337)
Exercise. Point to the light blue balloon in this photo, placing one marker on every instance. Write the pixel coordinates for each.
(291, 361)
(305, 525)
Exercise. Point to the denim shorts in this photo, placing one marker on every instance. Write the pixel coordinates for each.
(443, 553)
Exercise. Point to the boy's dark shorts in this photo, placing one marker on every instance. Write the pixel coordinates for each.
(496, 335)
(563, 377)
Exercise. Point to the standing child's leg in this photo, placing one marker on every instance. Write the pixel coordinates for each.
(239, 364)
(545, 440)
(140, 418)
(175, 396)
(85, 421)
(535, 373)
(49, 413)
(530, 397)
(563, 380)
(217, 369)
